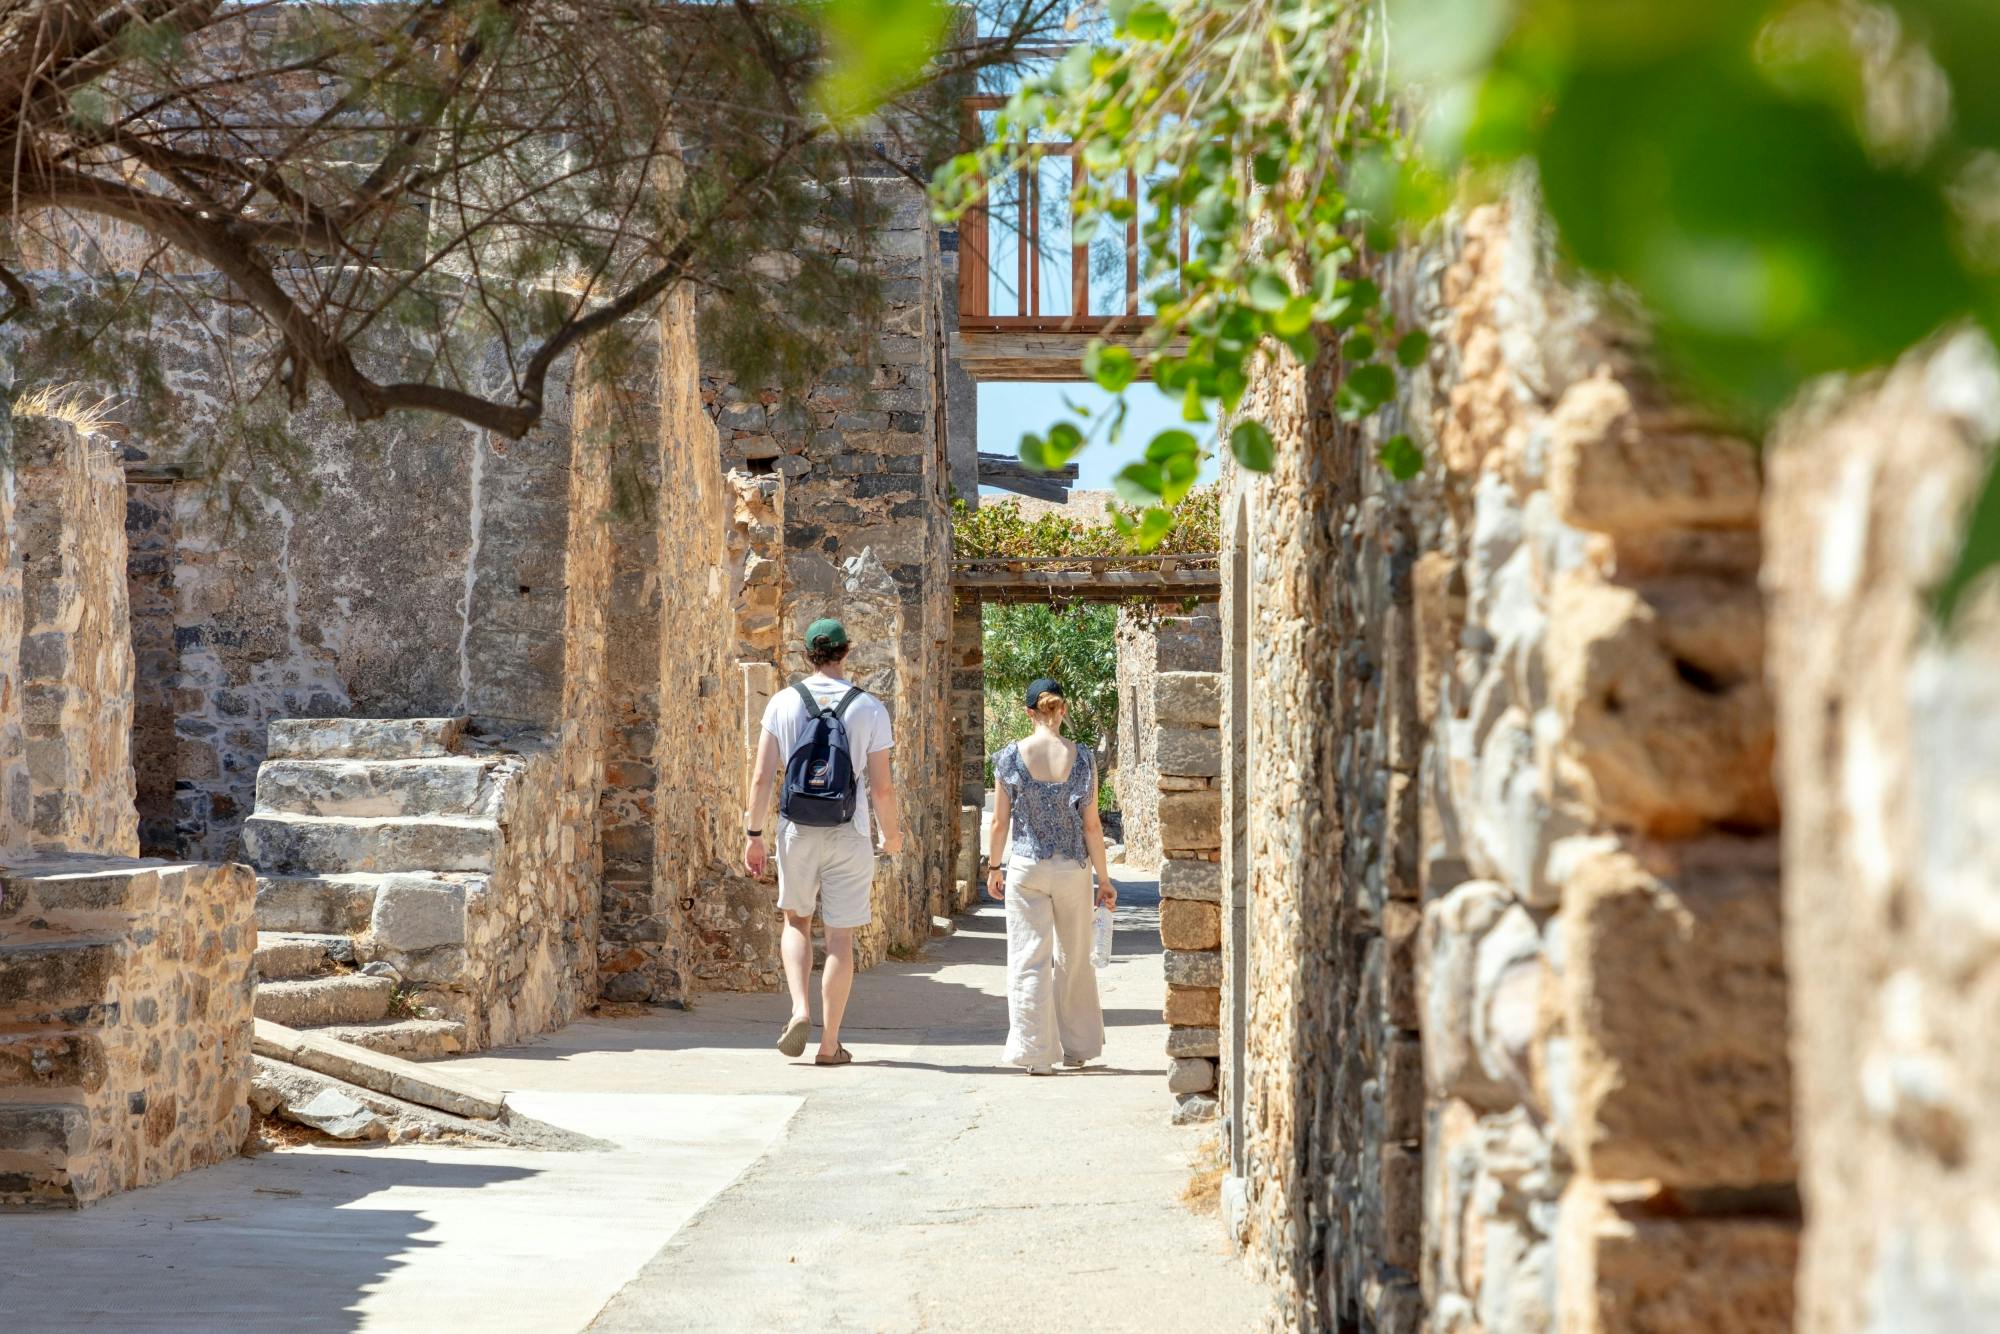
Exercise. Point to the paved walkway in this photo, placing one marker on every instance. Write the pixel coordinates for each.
(923, 1188)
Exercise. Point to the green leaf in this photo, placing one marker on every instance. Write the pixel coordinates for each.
(1400, 456)
(1305, 347)
(1139, 483)
(1153, 526)
(1268, 290)
(1110, 365)
(1412, 348)
(1363, 390)
(1149, 22)
(1178, 473)
(1752, 226)
(1359, 296)
(1035, 454)
(1171, 444)
(1979, 550)
(1253, 447)
(1295, 318)
(1358, 347)
(875, 49)
(1191, 408)
(1064, 442)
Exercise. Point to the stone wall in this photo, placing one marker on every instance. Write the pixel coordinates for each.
(722, 572)
(968, 690)
(1187, 711)
(1512, 998)
(1135, 778)
(75, 645)
(867, 538)
(149, 584)
(1889, 760)
(124, 1023)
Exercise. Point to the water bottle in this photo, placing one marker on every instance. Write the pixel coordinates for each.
(1100, 946)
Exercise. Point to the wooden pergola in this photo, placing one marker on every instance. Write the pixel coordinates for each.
(1164, 578)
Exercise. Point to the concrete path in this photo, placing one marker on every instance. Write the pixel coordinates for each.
(405, 1238)
(925, 1187)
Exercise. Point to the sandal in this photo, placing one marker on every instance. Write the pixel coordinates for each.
(841, 1056)
(792, 1042)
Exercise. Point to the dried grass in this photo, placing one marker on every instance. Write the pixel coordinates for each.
(67, 403)
(1203, 1192)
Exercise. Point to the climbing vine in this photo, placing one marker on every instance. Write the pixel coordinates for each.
(1264, 128)
(1000, 528)
(1789, 188)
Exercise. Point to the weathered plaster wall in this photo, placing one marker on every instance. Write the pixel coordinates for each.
(1520, 702)
(1889, 760)
(1135, 777)
(721, 570)
(968, 690)
(75, 647)
(124, 1023)
(410, 568)
(16, 798)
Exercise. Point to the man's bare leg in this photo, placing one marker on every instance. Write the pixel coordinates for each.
(796, 949)
(835, 981)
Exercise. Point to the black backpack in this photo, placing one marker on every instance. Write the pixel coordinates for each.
(820, 779)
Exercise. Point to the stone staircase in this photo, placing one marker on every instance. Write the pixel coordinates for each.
(369, 837)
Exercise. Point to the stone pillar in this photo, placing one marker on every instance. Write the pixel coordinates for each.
(76, 646)
(1187, 753)
(968, 684)
(1890, 766)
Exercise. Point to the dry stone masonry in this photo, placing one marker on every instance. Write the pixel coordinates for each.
(1520, 1064)
(1186, 756)
(1890, 764)
(124, 1023)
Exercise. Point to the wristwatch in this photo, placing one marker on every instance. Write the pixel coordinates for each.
(753, 833)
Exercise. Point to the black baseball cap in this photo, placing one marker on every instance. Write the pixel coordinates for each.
(1040, 686)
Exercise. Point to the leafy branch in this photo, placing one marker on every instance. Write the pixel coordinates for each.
(1263, 129)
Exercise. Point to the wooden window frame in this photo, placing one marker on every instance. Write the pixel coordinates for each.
(975, 253)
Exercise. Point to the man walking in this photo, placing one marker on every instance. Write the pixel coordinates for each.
(833, 739)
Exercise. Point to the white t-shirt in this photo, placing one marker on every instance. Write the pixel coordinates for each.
(867, 728)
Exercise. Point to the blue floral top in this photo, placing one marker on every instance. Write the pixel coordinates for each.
(1047, 817)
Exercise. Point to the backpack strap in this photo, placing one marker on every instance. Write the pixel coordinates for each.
(840, 709)
(813, 707)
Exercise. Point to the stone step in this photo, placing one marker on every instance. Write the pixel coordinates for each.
(362, 738)
(42, 1140)
(331, 843)
(56, 972)
(456, 785)
(288, 954)
(411, 1039)
(339, 904)
(372, 1070)
(314, 1002)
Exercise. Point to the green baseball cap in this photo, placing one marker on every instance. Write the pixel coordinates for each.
(826, 633)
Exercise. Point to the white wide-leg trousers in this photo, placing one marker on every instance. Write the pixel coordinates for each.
(1052, 1009)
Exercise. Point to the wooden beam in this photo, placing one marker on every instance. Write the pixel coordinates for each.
(1034, 354)
(1013, 475)
(1165, 579)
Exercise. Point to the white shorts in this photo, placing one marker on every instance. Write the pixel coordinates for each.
(829, 866)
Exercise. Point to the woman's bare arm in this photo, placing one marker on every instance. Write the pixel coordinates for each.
(997, 846)
(1093, 842)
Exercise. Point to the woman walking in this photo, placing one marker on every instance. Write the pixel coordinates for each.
(1046, 790)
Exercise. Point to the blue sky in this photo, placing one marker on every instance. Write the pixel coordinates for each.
(1009, 409)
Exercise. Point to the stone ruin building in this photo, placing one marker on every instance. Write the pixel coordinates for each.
(1575, 904)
